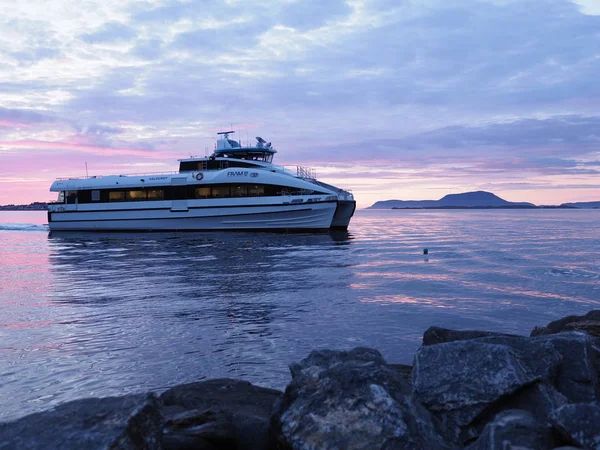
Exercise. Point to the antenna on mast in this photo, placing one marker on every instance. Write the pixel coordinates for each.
(86, 171)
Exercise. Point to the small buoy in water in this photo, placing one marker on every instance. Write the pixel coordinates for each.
(425, 251)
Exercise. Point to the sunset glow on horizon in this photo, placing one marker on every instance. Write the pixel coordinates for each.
(392, 100)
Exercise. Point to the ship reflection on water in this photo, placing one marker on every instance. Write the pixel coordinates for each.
(190, 265)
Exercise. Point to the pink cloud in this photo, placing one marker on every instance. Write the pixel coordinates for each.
(10, 124)
(79, 144)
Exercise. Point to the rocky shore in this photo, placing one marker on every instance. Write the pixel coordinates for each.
(466, 389)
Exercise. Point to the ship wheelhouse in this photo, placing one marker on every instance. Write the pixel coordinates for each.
(230, 153)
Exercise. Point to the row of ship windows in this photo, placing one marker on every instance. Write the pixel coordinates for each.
(179, 193)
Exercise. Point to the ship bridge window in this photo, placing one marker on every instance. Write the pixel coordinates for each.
(61, 197)
(213, 164)
(71, 197)
(96, 196)
(189, 166)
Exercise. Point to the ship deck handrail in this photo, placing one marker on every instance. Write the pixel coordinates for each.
(91, 177)
(299, 192)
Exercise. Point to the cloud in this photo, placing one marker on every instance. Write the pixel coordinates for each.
(110, 32)
(99, 130)
(81, 146)
(23, 117)
(35, 54)
(148, 49)
(493, 91)
(576, 132)
(591, 7)
(209, 42)
(309, 14)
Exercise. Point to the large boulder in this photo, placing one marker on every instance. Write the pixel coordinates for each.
(538, 400)
(462, 378)
(115, 423)
(222, 413)
(350, 400)
(576, 376)
(590, 323)
(200, 430)
(405, 371)
(514, 429)
(579, 423)
(438, 335)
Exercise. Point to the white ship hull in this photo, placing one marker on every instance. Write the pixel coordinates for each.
(291, 217)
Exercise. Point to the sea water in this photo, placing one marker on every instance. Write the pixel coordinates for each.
(84, 314)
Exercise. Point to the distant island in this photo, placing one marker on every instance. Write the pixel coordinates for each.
(35, 206)
(466, 200)
(473, 200)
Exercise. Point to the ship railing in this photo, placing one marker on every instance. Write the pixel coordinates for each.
(306, 172)
(297, 192)
(91, 177)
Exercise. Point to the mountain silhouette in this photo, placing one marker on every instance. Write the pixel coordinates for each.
(584, 205)
(476, 199)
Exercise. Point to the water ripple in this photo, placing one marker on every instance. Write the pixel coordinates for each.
(106, 314)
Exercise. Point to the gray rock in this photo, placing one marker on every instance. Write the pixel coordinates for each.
(350, 400)
(579, 423)
(589, 323)
(194, 429)
(538, 400)
(223, 412)
(123, 423)
(576, 377)
(514, 429)
(404, 371)
(466, 377)
(437, 335)
(591, 327)
(536, 354)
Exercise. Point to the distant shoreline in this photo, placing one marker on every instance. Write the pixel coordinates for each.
(36, 206)
(476, 200)
(486, 207)
(42, 206)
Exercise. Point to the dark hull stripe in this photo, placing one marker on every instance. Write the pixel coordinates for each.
(173, 218)
(168, 208)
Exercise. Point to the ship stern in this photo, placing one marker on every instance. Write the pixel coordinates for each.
(343, 213)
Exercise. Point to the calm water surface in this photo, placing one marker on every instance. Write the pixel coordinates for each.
(107, 314)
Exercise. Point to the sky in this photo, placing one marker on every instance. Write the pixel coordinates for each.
(393, 99)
